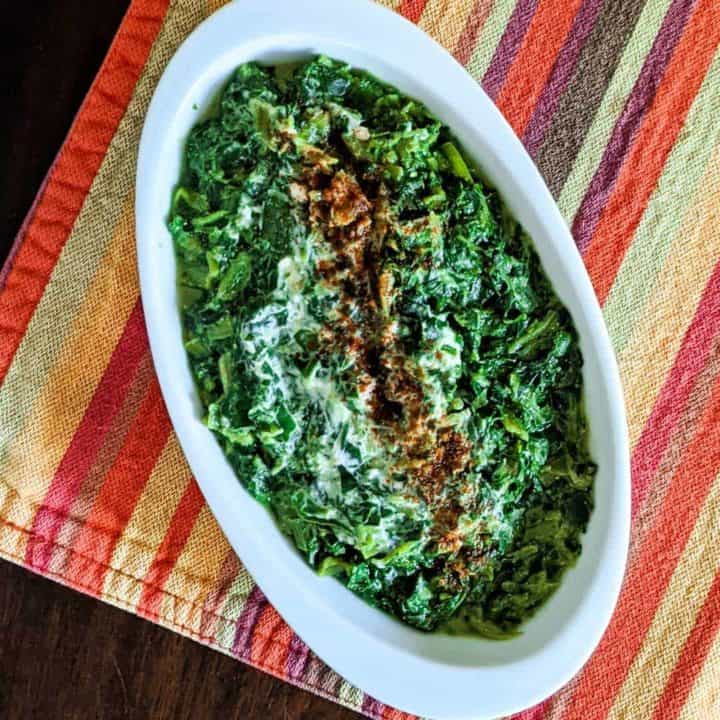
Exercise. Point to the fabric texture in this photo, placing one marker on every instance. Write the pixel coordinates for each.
(618, 103)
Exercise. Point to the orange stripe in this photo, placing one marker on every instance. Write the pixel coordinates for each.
(535, 60)
(170, 548)
(71, 176)
(137, 546)
(649, 575)
(656, 137)
(271, 641)
(391, 713)
(537, 712)
(412, 9)
(120, 492)
(692, 657)
(693, 356)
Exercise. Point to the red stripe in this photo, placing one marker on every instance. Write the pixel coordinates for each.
(390, 713)
(689, 363)
(87, 441)
(534, 713)
(508, 46)
(75, 168)
(120, 492)
(172, 545)
(534, 62)
(412, 9)
(270, 641)
(650, 150)
(692, 658)
(648, 577)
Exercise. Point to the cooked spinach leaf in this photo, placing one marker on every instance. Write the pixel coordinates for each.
(378, 349)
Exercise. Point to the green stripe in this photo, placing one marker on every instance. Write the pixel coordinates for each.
(665, 218)
(490, 37)
(613, 101)
(350, 695)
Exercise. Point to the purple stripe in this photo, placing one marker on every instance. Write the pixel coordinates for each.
(627, 126)
(297, 658)
(372, 707)
(508, 46)
(561, 74)
(246, 623)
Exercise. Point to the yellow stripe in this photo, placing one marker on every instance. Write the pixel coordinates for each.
(213, 586)
(431, 17)
(92, 483)
(237, 595)
(101, 243)
(650, 352)
(696, 149)
(445, 20)
(559, 701)
(489, 39)
(17, 514)
(213, 5)
(350, 695)
(198, 564)
(675, 616)
(50, 419)
(141, 538)
(392, 4)
(672, 457)
(704, 699)
(613, 102)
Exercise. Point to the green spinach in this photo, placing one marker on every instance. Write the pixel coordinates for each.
(378, 349)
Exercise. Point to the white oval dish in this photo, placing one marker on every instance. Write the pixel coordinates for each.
(429, 675)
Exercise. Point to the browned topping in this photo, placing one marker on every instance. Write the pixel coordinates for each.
(450, 542)
(385, 288)
(356, 222)
(450, 457)
(346, 200)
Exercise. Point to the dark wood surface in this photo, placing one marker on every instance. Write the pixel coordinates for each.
(63, 655)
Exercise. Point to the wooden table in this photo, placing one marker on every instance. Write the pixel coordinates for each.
(63, 655)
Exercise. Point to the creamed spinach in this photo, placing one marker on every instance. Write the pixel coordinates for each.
(378, 349)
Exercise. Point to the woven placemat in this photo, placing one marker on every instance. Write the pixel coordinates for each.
(618, 102)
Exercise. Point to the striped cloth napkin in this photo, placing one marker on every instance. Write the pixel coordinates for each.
(618, 102)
